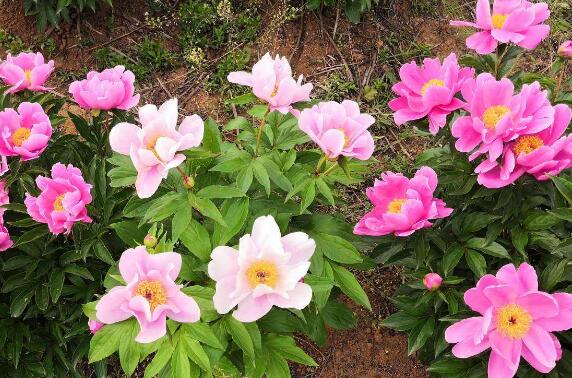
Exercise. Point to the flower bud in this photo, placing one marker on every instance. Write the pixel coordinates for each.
(95, 113)
(432, 281)
(150, 241)
(94, 326)
(565, 49)
(188, 182)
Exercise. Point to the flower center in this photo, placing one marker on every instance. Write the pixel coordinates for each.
(346, 138)
(432, 83)
(153, 292)
(513, 321)
(28, 76)
(275, 91)
(58, 206)
(493, 115)
(527, 144)
(498, 20)
(395, 206)
(262, 273)
(20, 136)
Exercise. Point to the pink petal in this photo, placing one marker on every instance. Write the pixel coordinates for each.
(122, 136)
(251, 309)
(109, 308)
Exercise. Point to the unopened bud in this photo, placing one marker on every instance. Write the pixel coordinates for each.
(565, 50)
(188, 182)
(150, 241)
(95, 112)
(432, 281)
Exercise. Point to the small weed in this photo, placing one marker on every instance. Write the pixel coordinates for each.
(235, 61)
(12, 44)
(336, 88)
(155, 55)
(106, 58)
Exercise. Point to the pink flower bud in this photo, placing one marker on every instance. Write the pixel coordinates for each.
(565, 49)
(94, 326)
(432, 281)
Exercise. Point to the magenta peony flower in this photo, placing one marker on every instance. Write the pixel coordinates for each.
(266, 271)
(5, 240)
(516, 21)
(3, 165)
(565, 49)
(542, 154)
(497, 115)
(429, 91)
(432, 281)
(26, 71)
(151, 294)
(153, 147)
(339, 129)
(402, 206)
(94, 326)
(62, 200)
(109, 89)
(4, 199)
(271, 81)
(25, 132)
(516, 320)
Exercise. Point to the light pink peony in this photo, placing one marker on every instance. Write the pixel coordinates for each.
(62, 200)
(267, 270)
(432, 281)
(154, 146)
(402, 206)
(429, 91)
(109, 89)
(543, 154)
(26, 71)
(25, 132)
(516, 21)
(565, 49)
(151, 294)
(498, 115)
(94, 326)
(339, 129)
(516, 320)
(271, 81)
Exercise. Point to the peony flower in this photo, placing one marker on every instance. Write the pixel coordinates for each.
(25, 132)
(109, 89)
(432, 281)
(271, 81)
(3, 165)
(153, 147)
(151, 294)
(26, 71)
(4, 199)
(94, 326)
(62, 200)
(497, 115)
(401, 205)
(267, 270)
(516, 21)
(5, 240)
(543, 154)
(516, 320)
(429, 91)
(339, 129)
(565, 49)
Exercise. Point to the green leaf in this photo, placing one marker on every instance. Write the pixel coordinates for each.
(180, 366)
(419, 336)
(324, 188)
(202, 332)
(277, 366)
(337, 248)
(128, 348)
(165, 206)
(56, 284)
(308, 195)
(261, 175)
(180, 222)
(540, 220)
(519, 238)
(244, 178)
(234, 213)
(239, 335)
(402, 321)
(286, 347)
(162, 357)
(242, 99)
(275, 174)
(124, 173)
(564, 186)
(238, 123)
(31, 235)
(338, 316)
(212, 140)
(207, 208)
(493, 249)
(476, 262)
(79, 271)
(130, 232)
(346, 281)
(196, 239)
(107, 340)
(477, 221)
(258, 111)
(220, 191)
(196, 352)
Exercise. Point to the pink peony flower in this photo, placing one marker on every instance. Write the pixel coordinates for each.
(94, 326)
(5, 240)
(3, 165)
(565, 49)
(151, 294)
(62, 200)
(112, 88)
(339, 129)
(432, 281)
(271, 81)
(153, 147)
(266, 271)
(497, 115)
(516, 320)
(543, 154)
(26, 71)
(429, 91)
(402, 206)
(4, 199)
(516, 21)
(25, 132)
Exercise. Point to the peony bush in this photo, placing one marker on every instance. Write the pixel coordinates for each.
(133, 233)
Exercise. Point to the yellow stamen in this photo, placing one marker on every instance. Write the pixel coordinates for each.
(153, 292)
(20, 136)
(28, 76)
(526, 144)
(262, 273)
(432, 83)
(275, 91)
(513, 321)
(493, 115)
(395, 206)
(58, 206)
(346, 138)
(498, 20)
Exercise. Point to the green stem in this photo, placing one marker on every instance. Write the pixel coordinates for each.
(320, 163)
(329, 170)
(559, 82)
(259, 133)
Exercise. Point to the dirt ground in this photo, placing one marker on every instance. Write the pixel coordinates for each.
(317, 46)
